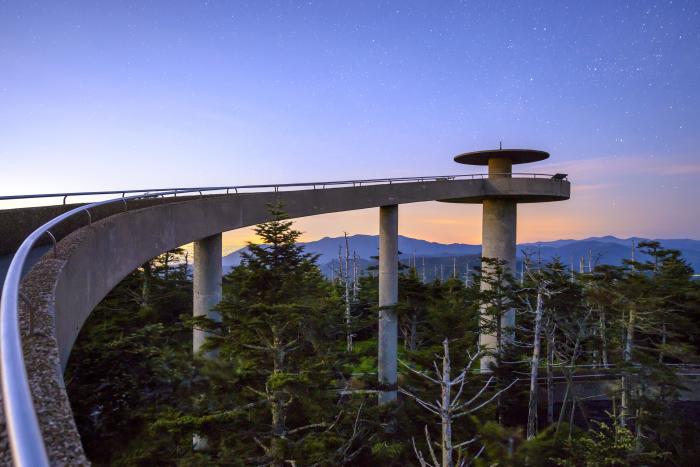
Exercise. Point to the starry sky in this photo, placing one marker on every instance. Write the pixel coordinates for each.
(135, 94)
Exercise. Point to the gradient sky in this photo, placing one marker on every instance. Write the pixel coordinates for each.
(102, 95)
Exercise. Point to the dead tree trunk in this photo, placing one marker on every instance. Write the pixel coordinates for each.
(354, 275)
(627, 357)
(448, 407)
(346, 278)
(146, 286)
(445, 412)
(534, 367)
(603, 338)
(550, 376)
(166, 265)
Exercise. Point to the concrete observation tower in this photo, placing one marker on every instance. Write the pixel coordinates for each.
(500, 204)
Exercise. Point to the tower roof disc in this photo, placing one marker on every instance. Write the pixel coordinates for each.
(517, 156)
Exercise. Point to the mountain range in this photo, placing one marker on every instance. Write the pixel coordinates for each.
(602, 250)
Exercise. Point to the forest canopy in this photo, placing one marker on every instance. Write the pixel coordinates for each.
(288, 375)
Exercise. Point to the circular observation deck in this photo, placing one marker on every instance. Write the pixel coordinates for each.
(502, 183)
(521, 188)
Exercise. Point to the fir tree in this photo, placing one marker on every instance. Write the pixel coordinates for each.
(280, 355)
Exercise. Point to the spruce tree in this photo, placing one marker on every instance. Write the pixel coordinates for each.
(272, 394)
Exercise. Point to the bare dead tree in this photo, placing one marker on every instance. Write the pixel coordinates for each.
(543, 287)
(550, 331)
(450, 407)
(569, 354)
(354, 275)
(534, 367)
(340, 263)
(146, 286)
(346, 279)
(603, 338)
(572, 269)
(345, 452)
(627, 358)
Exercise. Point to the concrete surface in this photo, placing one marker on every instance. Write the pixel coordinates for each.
(388, 296)
(206, 283)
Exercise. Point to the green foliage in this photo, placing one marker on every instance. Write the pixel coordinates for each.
(282, 387)
(277, 354)
(607, 445)
(130, 362)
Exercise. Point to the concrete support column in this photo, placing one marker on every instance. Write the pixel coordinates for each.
(388, 295)
(500, 167)
(206, 283)
(206, 294)
(498, 241)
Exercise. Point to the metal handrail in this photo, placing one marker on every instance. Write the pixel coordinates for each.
(26, 442)
(355, 183)
(24, 434)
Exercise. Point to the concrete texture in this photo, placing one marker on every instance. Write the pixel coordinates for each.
(206, 294)
(388, 296)
(498, 241)
(518, 189)
(206, 284)
(17, 224)
(42, 360)
(500, 167)
(499, 226)
(92, 260)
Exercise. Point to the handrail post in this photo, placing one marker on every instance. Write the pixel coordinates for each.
(53, 239)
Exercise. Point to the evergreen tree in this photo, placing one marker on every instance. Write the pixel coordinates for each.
(131, 363)
(280, 356)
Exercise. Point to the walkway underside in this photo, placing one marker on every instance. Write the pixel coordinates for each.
(63, 289)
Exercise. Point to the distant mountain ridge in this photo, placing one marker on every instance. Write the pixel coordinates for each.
(603, 250)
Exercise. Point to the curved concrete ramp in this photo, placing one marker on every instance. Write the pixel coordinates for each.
(63, 290)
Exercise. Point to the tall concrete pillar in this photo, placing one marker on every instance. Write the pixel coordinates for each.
(206, 294)
(206, 283)
(498, 241)
(388, 295)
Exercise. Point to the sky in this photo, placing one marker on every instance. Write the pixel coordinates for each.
(119, 95)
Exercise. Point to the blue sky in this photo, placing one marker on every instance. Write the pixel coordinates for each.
(98, 95)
